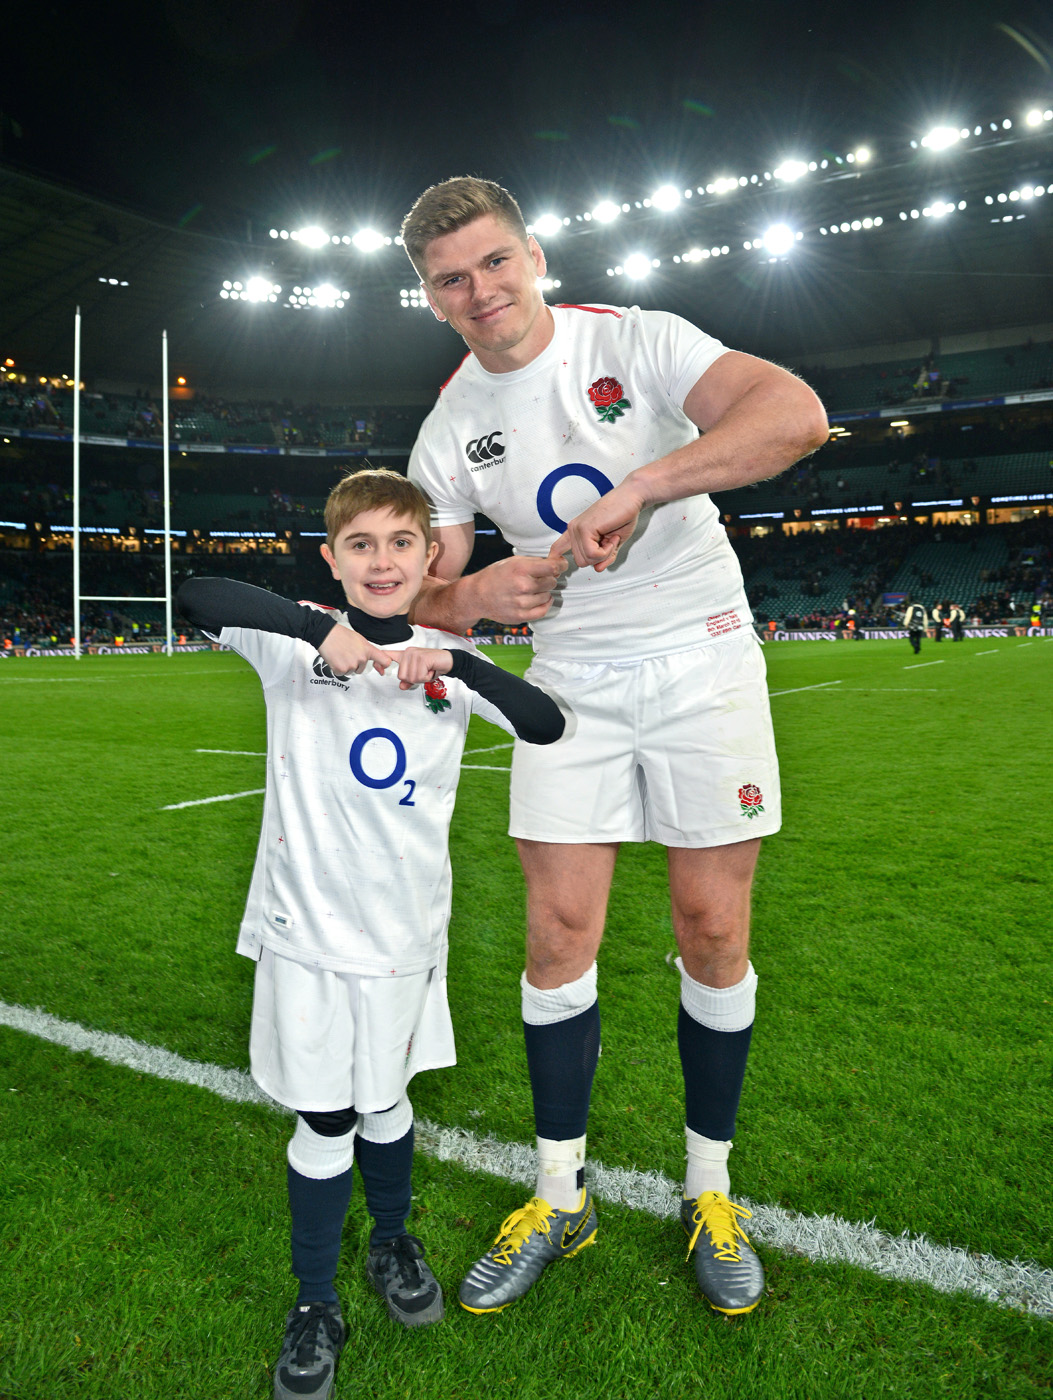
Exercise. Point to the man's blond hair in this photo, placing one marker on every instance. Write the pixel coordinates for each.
(453, 204)
(374, 488)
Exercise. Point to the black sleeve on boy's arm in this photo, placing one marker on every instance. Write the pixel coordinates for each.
(534, 716)
(215, 603)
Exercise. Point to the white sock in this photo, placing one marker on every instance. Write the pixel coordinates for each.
(707, 1165)
(560, 1171)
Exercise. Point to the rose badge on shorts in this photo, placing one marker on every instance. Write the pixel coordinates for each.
(435, 696)
(608, 399)
(750, 799)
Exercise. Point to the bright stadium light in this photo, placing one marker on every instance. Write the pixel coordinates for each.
(367, 240)
(1034, 117)
(605, 211)
(779, 239)
(862, 154)
(666, 198)
(548, 225)
(260, 289)
(638, 265)
(549, 284)
(790, 170)
(940, 137)
(311, 237)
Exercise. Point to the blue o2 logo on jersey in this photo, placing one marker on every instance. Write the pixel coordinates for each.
(356, 758)
(545, 490)
(398, 767)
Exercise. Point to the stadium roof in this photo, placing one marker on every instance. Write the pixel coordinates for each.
(137, 177)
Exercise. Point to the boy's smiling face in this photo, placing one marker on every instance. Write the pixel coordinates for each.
(380, 558)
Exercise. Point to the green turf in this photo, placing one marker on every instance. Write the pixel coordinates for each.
(901, 1068)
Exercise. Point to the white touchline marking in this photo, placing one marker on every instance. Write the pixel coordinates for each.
(492, 749)
(797, 689)
(248, 753)
(917, 665)
(1020, 646)
(986, 653)
(110, 680)
(486, 768)
(827, 1238)
(204, 801)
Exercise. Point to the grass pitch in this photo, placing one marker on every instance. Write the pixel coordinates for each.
(900, 1072)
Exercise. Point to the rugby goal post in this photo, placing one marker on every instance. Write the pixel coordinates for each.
(79, 597)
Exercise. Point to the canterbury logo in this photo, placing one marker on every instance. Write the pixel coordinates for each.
(322, 669)
(485, 449)
(569, 1235)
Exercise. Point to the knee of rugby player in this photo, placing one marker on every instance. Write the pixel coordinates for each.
(560, 950)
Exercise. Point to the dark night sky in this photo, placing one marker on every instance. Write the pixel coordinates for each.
(284, 111)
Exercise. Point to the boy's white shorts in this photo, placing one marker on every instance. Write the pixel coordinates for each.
(677, 749)
(323, 1041)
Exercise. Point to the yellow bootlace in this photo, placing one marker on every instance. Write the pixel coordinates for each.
(719, 1217)
(535, 1215)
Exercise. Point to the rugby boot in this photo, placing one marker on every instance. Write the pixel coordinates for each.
(529, 1240)
(728, 1271)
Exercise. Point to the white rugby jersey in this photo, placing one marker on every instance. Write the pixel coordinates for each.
(352, 870)
(533, 448)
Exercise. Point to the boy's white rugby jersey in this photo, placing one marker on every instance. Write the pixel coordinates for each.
(352, 870)
(533, 448)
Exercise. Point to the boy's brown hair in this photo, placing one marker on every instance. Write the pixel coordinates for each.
(451, 205)
(374, 488)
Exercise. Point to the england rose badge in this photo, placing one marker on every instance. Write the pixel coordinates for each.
(608, 399)
(750, 798)
(435, 696)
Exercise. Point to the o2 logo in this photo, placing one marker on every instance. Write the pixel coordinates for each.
(544, 491)
(397, 761)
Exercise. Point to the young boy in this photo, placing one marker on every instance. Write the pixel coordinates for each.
(350, 896)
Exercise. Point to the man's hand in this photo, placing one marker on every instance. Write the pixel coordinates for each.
(422, 664)
(518, 589)
(596, 535)
(349, 654)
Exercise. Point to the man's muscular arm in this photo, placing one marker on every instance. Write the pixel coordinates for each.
(756, 420)
(513, 590)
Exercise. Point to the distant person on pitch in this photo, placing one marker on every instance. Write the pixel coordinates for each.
(915, 620)
(348, 907)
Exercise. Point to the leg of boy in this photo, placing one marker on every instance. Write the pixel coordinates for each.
(395, 1266)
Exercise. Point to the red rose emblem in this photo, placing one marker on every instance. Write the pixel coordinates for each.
(435, 690)
(605, 392)
(750, 795)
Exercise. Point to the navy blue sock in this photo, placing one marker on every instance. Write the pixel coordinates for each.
(318, 1210)
(386, 1169)
(562, 1061)
(714, 1065)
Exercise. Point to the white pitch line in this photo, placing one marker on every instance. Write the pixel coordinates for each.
(797, 689)
(1020, 646)
(986, 653)
(919, 664)
(905, 1258)
(492, 749)
(248, 753)
(486, 768)
(204, 801)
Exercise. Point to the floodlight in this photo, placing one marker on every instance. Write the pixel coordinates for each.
(1034, 117)
(367, 240)
(549, 284)
(605, 211)
(863, 154)
(940, 137)
(312, 236)
(666, 198)
(791, 170)
(325, 295)
(257, 289)
(548, 225)
(779, 239)
(637, 265)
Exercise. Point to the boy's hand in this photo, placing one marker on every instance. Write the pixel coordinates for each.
(347, 653)
(417, 664)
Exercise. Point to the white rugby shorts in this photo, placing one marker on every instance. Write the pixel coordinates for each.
(676, 749)
(322, 1041)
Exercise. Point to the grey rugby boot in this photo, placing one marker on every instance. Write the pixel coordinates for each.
(314, 1338)
(529, 1239)
(397, 1270)
(729, 1273)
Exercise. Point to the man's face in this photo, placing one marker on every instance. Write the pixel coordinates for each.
(484, 281)
(380, 559)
